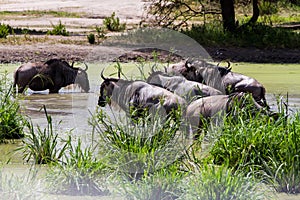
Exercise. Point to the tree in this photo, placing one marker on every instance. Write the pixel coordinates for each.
(177, 13)
(228, 15)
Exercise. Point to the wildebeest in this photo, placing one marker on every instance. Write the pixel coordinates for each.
(218, 106)
(220, 78)
(181, 86)
(138, 95)
(52, 74)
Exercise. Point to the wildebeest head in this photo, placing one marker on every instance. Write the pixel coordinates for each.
(186, 69)
(106, 90)
(82, 78)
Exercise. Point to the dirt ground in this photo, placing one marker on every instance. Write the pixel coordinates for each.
(77, 48)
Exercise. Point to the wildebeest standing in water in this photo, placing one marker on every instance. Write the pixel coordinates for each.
(138, 95)
(210, 107)
(220, 78)
(52, 74)
(181, 86)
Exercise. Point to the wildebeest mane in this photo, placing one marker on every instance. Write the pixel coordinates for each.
(57, 61)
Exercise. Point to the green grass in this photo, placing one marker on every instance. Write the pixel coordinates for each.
(220, 183)
(40, 13)
(41, 146)
(139, 146)
(79, 173)
(58, 29)
(112, 23)
(259, 35)
(11, 121)
(262, 145)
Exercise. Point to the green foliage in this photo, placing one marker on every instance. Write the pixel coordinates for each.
(112, 23)
(140, 145)
(11, 120)
(91, 38)
(41, 145)
(100, 32)
(262, 144)
(219, 182)
(267, 8)
(78, 174)
(258, 35)
(4, 30)
(58, 29)
(163, 184)
(20, 186)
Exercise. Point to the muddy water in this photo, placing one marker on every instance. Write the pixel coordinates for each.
(71, 109)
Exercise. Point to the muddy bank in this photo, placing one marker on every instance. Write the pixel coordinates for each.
(70, 52)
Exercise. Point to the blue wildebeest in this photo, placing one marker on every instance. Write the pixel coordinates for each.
(210, 107)
(220, 78)
(53, 75)
(138, 95)
(181, 86)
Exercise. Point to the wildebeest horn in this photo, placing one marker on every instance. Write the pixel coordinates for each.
(103, 76)
(86, 66)
(72, 65)
(119, 73)
(228, 66)
(166, 70)
(152, 69)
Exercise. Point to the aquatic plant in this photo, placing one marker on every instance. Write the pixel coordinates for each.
(41, 145)
(140, 146)
(79, 173)
(219, 182)
(263, 145)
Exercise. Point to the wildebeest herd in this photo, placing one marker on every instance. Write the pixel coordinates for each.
(199, 88)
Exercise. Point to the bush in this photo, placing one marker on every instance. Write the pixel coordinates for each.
(91, 38)
(112, 23)
(4, 30)
(11, 120)
(58, 29)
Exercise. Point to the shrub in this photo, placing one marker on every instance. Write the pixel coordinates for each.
(91, 38)
(112, 23)
(11, 120)
(4, 30)
(58, 29)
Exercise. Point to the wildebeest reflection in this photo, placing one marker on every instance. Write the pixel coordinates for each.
(220, 78)
(53, 75)
(137, 94)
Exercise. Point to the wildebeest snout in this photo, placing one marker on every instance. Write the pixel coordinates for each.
(101, 101)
